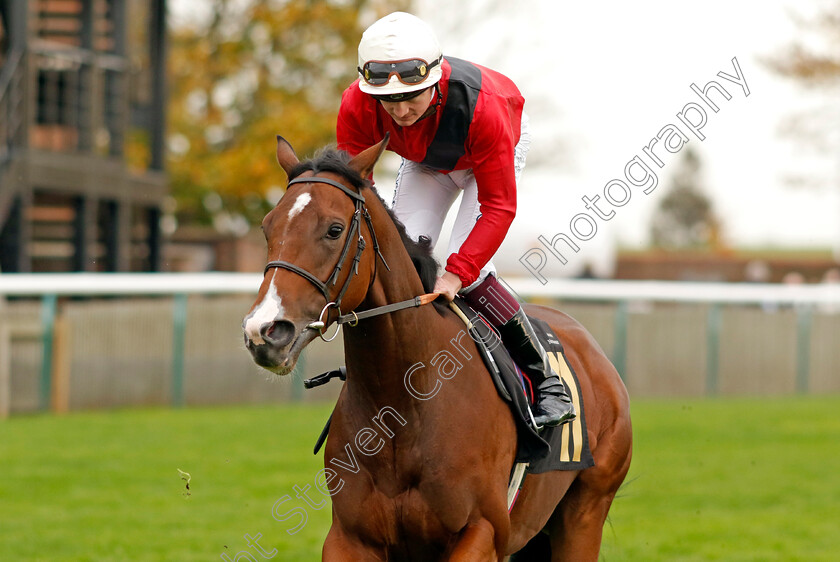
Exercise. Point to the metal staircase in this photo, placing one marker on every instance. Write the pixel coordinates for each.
(11, 121)
(12, 141)
(68, 200)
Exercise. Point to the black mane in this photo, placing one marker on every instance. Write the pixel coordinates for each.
(337, 162)
(330, 160)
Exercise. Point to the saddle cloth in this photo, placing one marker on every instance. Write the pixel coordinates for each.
(565, 447)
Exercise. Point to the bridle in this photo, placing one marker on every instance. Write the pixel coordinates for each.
(354, 229)
(324, 286)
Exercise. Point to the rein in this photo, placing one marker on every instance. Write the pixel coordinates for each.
(353, 318)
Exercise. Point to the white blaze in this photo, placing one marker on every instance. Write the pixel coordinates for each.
(301, 202)
(269, 310)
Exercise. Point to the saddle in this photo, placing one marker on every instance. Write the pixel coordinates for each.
(565, 447)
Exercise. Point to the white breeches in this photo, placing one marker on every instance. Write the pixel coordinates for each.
(423, 197)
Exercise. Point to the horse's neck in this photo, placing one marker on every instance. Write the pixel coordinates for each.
(398, 281)
(380, 349)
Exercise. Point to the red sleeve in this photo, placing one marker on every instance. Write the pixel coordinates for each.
(492, 139)
(349, 132)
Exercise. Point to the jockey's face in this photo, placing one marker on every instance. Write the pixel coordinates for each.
(407, 112)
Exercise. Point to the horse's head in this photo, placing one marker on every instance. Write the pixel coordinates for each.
(316, 236)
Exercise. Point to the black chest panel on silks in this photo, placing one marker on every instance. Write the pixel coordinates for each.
(448, 145)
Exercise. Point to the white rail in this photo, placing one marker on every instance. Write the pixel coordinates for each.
(108, 284)
(50, 288)
(678, 291)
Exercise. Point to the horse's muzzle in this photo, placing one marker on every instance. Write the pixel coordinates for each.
(278, 345)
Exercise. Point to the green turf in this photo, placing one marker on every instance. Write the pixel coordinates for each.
(105, 486)
(723, 480)
(730, 480)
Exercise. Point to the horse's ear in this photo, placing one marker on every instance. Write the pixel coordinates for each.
(366, 159)
(286, 156)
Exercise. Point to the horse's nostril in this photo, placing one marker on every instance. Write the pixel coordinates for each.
(278, 333)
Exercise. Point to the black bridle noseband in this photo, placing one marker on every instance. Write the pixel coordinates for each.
(324, 286)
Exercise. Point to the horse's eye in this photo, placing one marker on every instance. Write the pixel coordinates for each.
(334, 231)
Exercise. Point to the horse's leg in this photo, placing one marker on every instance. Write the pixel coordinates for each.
(476, 544)
(577, 530)
(577, 525)
(338, 547)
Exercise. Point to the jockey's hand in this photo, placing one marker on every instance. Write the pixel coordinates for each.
(448, 284)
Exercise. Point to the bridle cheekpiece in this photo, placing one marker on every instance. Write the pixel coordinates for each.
(325, 286)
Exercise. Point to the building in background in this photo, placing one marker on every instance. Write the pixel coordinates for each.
(82, 99)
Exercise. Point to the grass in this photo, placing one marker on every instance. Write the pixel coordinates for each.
(732, 480)
(105, 486)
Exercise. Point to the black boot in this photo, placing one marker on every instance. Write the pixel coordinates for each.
(554, 406)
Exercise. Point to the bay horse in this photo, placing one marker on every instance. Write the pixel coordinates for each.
(420, 446)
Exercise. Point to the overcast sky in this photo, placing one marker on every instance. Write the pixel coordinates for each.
(620, 71)
(610, 75)
(601, 79)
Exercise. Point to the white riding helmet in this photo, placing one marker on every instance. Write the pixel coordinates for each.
(399, 54)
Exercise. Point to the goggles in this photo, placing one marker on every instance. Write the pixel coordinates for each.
(409, 72)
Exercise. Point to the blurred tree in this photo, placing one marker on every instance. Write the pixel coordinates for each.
(684, 217)
(814, 62)
(818, 63)
(250, 70)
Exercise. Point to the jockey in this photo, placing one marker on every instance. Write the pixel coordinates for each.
(459, 128)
